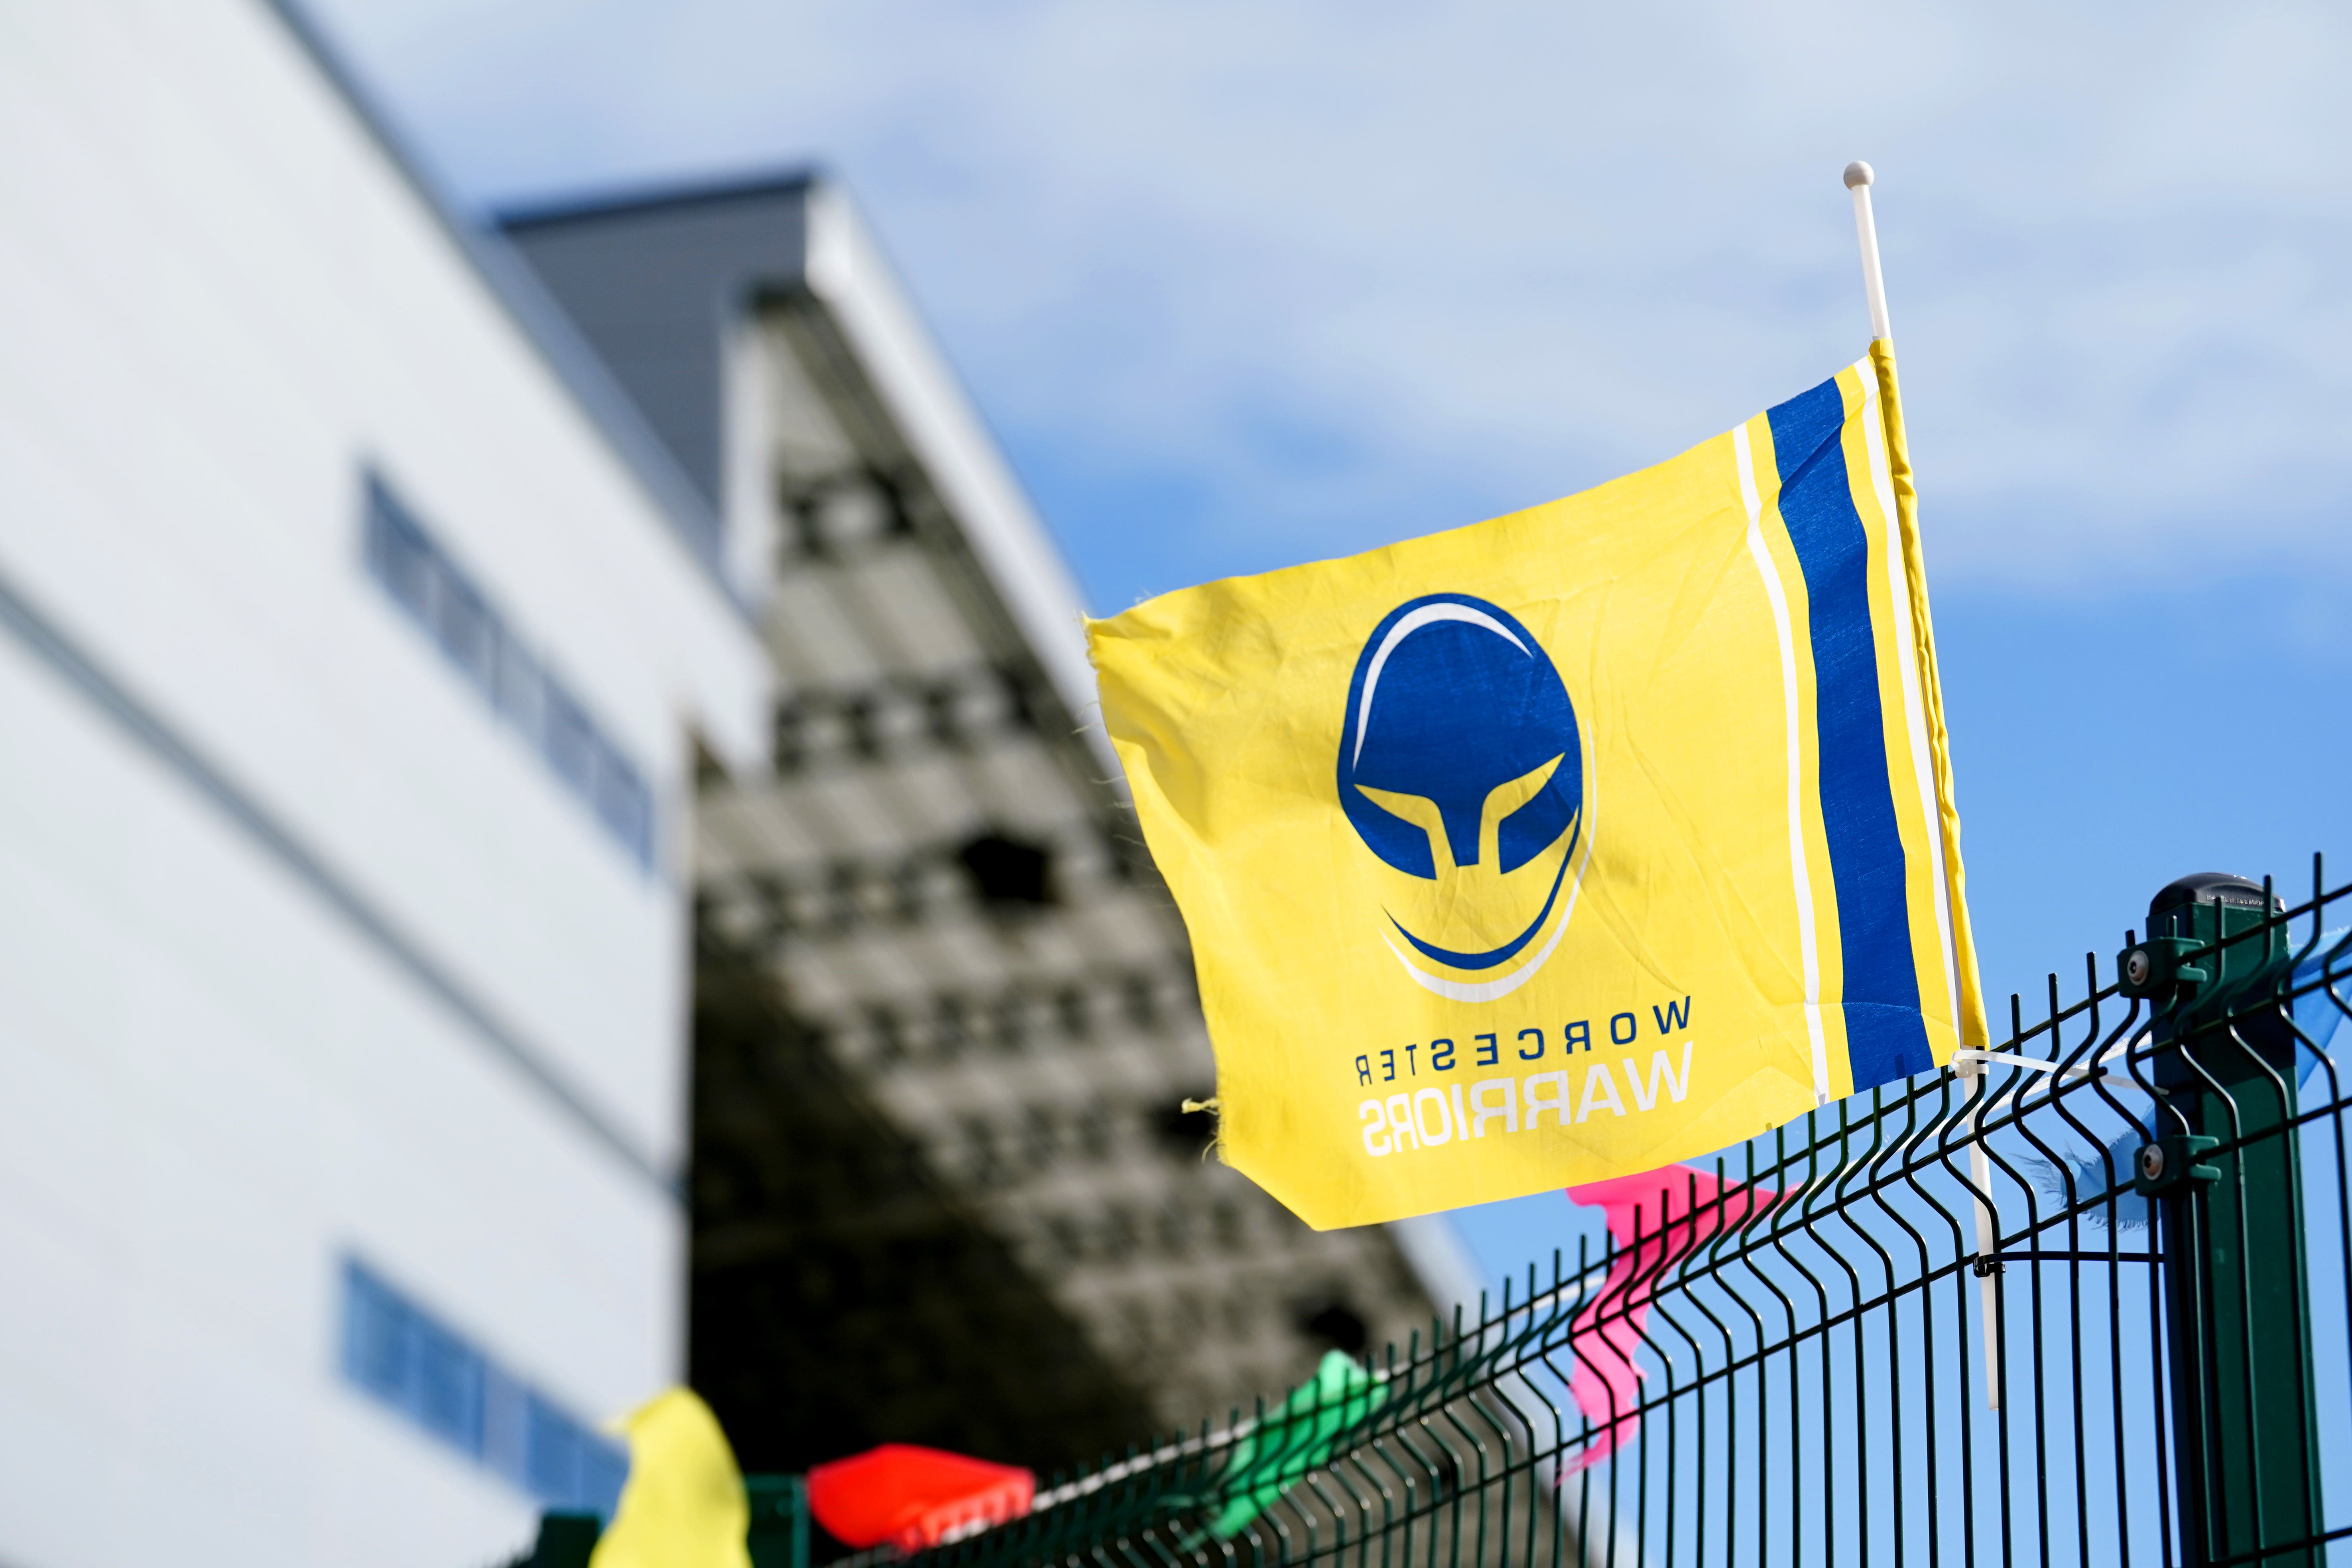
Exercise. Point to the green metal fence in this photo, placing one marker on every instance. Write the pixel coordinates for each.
(2083, 1299)
(2141, 1193)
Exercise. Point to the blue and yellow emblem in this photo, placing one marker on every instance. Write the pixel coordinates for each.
(1555, 848)
(1461, 766)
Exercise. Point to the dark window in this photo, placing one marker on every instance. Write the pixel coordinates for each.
(422, 579)
(1141, 1000)
(623, 800)
(469, 632)
(865, 727)
(570, 741)
(1010, 1016)
(398, 554)
(1336, 1324)
(522, 692)
(1020, 703)
(889, 1035)
(602, 1468)
(448, 1387)
(397, 1351)
(551, 1442)
(1184, 1131)
(791, 745)
(410, 1363)
(841, 897)
(1007, 873)
(950, 1032)
(1098, 1132)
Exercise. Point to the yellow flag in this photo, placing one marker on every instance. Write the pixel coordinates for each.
(684, 1506)
(1602, 835)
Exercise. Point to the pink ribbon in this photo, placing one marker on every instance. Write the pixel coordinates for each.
(1678, 1209)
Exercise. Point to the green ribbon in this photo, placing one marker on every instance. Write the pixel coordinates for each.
(1274, 1455)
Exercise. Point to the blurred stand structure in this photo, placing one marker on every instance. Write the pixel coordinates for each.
(421, 699)
(932, 919)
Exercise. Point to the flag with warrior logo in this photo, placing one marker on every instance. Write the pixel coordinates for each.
(1558, 847)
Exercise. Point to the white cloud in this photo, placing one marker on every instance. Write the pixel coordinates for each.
(1350, 268)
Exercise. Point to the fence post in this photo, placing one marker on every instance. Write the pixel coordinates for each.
(778, 1536)
(2243, 1418)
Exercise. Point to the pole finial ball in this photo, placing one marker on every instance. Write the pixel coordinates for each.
(1858, 173)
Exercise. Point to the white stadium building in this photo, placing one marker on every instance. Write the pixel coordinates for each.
(423, 646)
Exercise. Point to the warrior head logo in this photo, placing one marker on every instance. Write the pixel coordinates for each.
(1461, 766)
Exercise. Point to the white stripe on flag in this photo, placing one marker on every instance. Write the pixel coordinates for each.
(1807, 941)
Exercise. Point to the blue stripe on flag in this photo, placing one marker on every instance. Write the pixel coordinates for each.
(1886, 1037)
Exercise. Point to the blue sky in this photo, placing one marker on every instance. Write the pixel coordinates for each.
(1242, 282)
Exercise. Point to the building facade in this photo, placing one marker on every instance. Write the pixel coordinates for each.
(553, 840)
(357, 641)
(940, 878)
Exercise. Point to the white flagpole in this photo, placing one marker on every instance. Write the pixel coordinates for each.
(1858, 176)
(1974, 1079)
